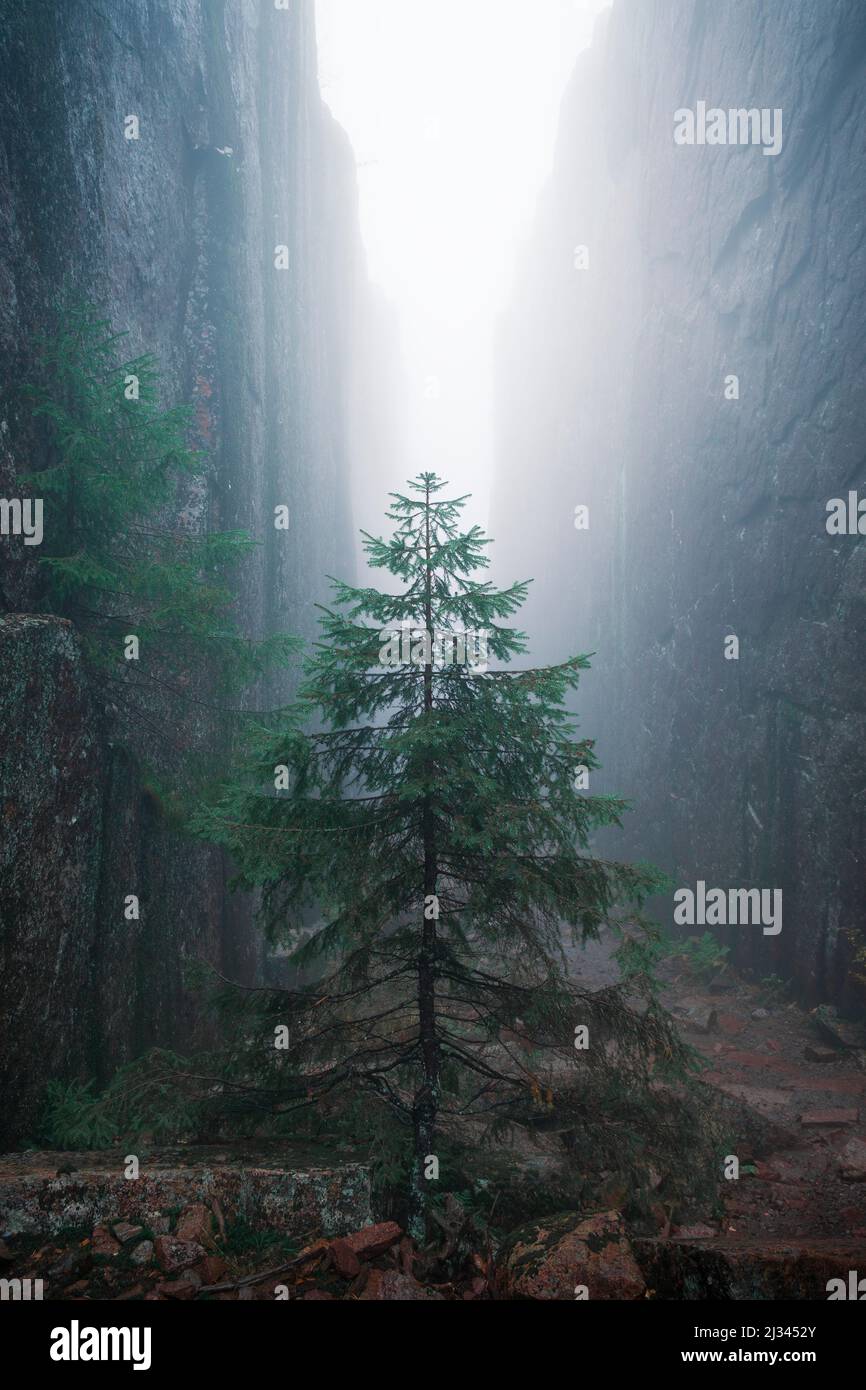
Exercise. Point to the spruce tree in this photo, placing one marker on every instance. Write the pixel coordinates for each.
(429, 805)
(116, 559)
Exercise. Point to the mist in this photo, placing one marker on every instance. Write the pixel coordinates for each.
(454, 139)
(377, 924)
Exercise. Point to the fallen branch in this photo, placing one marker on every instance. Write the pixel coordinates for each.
(311, 1253)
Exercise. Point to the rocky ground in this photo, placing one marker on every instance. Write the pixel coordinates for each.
(229, 1226)
(806, 1074)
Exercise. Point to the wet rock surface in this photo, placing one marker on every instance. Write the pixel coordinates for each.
(571, 1256)
(231, 1221)
(172, 236)
(265, 1191)
(728, 1268)
(706, 515)
(52, 781)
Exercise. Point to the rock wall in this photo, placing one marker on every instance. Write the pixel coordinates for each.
(47, 1193)
(707, 515)
(174, 236)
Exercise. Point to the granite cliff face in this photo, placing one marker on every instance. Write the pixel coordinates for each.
(174, 236)
(707, 513)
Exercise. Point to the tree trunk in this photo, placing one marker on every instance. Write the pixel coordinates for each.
(427, 1096)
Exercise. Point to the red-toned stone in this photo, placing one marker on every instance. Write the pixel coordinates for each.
(103, 1243)
(390, 1286)
(767, 1172)
(195, 1224)
(373, 1240)
(345, 1261)
(548, 1260)
(698, 1231)
(731, 1025)
(833, 1085)
(125, 1232)
(178, 1288)
(762, 1061)
(828, 1119)
(212, 1269)
(407, 1255)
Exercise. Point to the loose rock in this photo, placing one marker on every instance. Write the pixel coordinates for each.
(852, 1165)
(175, 1255)
(195, 1224)
(390, 1286)
(828, 1119)
(103, 1244)
(374, 1240)
(345, 1260)
(124, 1232)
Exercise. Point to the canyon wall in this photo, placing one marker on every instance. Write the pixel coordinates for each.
(173, 235)
(655, 272)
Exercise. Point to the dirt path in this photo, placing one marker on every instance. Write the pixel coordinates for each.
(772, 1056)
(776, 1060)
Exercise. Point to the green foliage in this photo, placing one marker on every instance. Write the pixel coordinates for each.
(639, 953)
(703, 955)
(774, 990)
(152, 1095)
(119, 466)
(243, 1242)
(406, 781)
(72, 1119)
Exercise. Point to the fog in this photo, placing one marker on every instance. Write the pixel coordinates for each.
(452, 112)
(614, 254)
(603, 268)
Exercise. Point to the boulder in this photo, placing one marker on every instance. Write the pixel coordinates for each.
(697, 1015)
(549, 1260)
(838, 1030)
